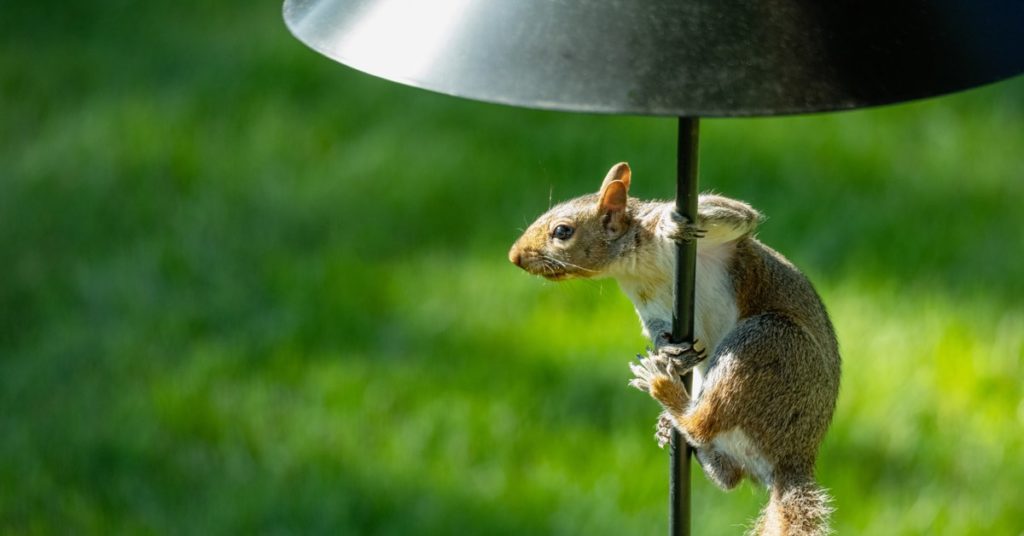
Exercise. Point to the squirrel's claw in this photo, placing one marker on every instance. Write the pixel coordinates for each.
(663, 431)
(642, 375)
(681, 229)
(683, 356)
(641, 385)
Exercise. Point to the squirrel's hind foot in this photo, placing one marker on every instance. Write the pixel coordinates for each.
(663, 431)
(661, 377)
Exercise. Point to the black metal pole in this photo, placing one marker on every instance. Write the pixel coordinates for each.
(682, 318)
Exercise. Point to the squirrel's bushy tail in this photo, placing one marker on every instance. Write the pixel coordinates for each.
(795, 509)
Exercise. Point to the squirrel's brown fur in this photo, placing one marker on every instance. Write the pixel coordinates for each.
(766, 392)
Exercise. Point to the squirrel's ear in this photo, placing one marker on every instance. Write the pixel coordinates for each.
(619, 172)
(613, 197)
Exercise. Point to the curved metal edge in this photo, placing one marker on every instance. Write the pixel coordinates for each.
(597, 110)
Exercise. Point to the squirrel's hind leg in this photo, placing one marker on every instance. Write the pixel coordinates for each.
(719, 467)
(656, 376)
(659, 375)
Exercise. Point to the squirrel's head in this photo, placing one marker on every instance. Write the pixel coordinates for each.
(578, 238)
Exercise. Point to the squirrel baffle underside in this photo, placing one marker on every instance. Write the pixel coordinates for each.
(672, 57)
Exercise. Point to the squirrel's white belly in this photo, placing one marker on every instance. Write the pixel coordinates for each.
(714, 304)
(737, 445)
(714, 301)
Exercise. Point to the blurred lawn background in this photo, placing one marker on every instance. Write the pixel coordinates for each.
(246, 290)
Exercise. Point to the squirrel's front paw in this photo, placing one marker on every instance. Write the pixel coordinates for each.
(686, 356)
(660, 377)
(681, 229)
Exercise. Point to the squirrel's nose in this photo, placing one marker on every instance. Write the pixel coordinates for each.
(515, 256)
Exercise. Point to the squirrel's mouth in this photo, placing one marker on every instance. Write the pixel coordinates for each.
(542, 265)
(548, 270)
(557, 276)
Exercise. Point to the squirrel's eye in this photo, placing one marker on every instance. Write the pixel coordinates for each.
(562, 232)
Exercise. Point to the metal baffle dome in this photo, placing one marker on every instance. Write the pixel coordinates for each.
(673, 57)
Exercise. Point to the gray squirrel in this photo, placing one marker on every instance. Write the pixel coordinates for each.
(765, 387)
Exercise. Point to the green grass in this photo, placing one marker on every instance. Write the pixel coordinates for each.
(243, 290)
